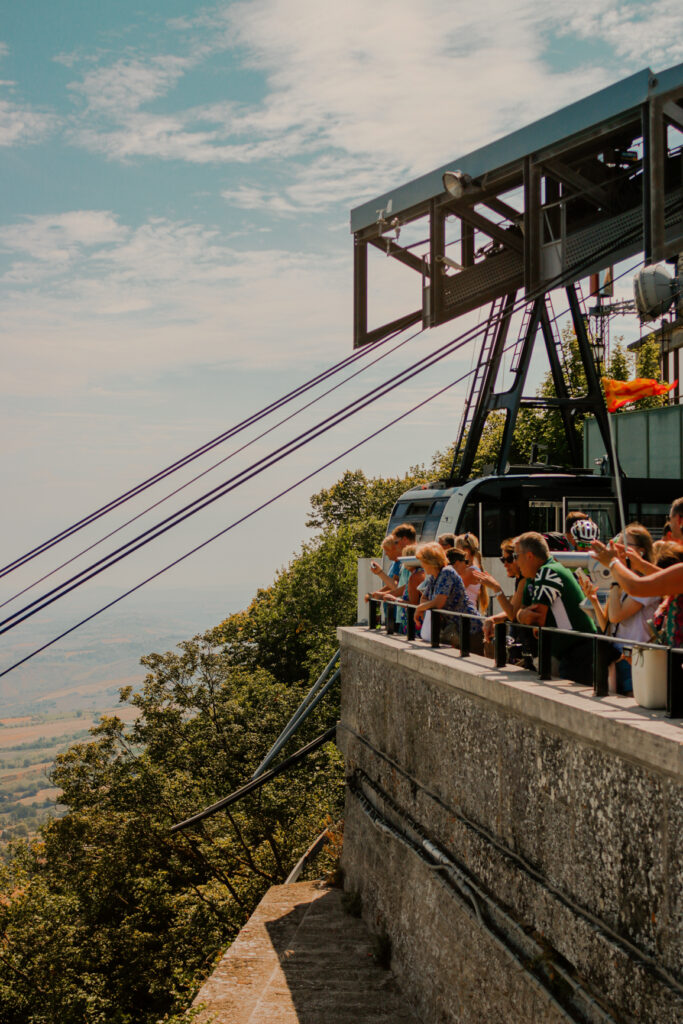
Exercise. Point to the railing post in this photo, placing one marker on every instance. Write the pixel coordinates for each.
(674, 683)
(464, 636)
(372, 614)
(601, 653)
(410, 620)
(545, 654)
(500, 644)
(436, 628)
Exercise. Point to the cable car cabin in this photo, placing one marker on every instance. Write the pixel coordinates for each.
(497, 507)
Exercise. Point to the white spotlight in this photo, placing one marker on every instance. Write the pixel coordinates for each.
(456, 183)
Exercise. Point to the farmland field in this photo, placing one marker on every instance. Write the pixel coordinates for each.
(55, 699)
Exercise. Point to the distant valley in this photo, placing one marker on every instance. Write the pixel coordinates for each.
(54, 699)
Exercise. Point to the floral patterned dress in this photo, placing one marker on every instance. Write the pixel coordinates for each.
(668, 620)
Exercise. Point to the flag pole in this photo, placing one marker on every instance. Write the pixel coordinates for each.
(616, 470)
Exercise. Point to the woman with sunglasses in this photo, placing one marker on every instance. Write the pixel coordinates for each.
(512, 605)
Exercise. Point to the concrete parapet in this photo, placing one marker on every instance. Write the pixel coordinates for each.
(520, 842)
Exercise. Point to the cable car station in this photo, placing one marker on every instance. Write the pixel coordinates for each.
(540, 209)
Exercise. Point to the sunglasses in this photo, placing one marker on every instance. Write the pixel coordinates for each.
(508, 559)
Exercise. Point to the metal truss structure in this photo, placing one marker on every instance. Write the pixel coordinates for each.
(572, 194)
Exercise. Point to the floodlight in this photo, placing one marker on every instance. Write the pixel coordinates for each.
(456, 183)
(448, 262)
(655, 290)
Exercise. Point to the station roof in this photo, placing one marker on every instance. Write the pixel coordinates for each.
(586, 115)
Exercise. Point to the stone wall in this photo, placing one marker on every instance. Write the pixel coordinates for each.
(519, 842)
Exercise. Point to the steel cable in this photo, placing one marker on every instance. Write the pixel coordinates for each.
(237, 480)
(191, 456)
(253, 512)
(237, 522)
(188, 483)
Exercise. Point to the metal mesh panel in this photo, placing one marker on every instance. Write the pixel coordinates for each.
(502, 271)
(595, 246)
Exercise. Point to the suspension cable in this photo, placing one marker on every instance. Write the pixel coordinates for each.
(209, 469)
(254, 511)
(237, 522)
(227, 486)
(184, 460)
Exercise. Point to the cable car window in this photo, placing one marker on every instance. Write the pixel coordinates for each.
(399, 509)
(418, 508)
(469, 520)
(429, 528)
(498, 522)
(544, 516)
(438, 506)
(653, 515)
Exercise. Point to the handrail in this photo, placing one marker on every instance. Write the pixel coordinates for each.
(302, 712)
(254, 784)
(545, 634)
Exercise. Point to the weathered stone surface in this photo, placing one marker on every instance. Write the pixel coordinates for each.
(566, 810)
(301, 960)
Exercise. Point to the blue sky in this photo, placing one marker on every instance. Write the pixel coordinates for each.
(174, 244)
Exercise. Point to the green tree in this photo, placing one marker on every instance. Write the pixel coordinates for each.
(648, 364)
(109, 917)
(290, 627)
(620, 366)
(357, 498)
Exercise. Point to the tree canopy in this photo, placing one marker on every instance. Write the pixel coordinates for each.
(108, 918)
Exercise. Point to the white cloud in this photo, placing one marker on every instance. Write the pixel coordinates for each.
(413, 87)
(416, 84)
(127, 84)
(88, 298)
(58, 237)
(636, 32)
(19, 123)
(249, 197)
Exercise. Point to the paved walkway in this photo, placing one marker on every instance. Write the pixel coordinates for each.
(300, 959)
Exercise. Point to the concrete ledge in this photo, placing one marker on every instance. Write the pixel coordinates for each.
(616, 724)
(301, 960)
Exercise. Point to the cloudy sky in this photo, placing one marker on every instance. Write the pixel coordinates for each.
(174, 242)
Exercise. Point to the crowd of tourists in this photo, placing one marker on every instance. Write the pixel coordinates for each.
(643, 602)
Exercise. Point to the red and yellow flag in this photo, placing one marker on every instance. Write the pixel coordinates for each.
(621, 392)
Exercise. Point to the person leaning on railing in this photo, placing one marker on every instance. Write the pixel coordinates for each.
(509, 606)
(443, 590)
(555, 600)
(667, 583)
(628, 616)
(523, 646)
(393, 547)
(468, 543)
(406, 592)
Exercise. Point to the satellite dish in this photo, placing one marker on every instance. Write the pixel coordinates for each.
(654, 289)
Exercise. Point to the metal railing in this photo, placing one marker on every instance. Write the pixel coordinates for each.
(544, 635)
